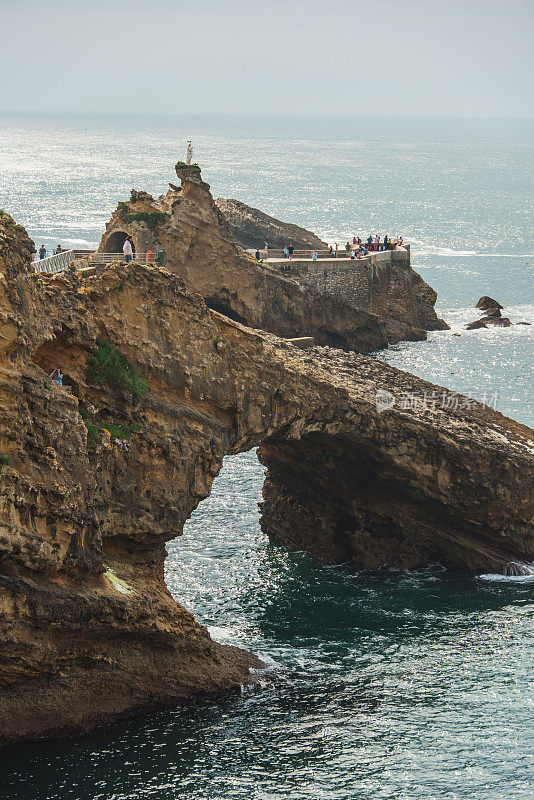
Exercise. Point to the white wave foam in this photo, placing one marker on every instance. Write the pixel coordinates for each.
(498, 578)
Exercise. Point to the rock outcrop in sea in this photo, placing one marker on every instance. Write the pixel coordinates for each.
(195, 242)
(491, 315)
(365, 465)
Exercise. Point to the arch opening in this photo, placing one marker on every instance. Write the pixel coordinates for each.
(115, 242)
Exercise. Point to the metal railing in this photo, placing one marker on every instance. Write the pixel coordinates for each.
(107, 258)
(55, 263)
(307, 255)
(60, 261)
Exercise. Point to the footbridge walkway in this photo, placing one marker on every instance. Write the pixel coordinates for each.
(57, 262)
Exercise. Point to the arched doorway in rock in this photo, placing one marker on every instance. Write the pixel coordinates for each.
(115, 242)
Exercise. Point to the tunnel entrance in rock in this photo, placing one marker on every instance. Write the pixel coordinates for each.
(115, 242)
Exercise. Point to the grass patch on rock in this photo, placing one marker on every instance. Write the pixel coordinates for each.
(109, 367)
(150, 218)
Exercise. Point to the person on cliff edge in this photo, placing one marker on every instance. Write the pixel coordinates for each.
(290, 251)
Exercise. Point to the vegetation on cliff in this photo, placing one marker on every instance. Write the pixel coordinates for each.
(108, 366)
(150, 218)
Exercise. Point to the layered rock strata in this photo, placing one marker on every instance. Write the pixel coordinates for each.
(88, 628)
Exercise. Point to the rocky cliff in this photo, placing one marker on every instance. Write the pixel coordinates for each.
(97, 474)
(196, 242)
(251, 228)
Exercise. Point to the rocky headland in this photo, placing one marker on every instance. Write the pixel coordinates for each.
(98, 474)
(194, 241)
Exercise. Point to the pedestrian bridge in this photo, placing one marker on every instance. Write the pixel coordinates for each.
(58, 262)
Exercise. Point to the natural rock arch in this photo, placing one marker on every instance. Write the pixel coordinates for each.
(89, 629)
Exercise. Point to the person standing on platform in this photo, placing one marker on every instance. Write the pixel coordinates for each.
(290, 250)
(127, 250)
(42, 252)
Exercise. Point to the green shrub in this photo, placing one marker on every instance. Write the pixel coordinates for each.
(4, 462)
(94, 430)
(176, 203)
(117, 431)
(84, 414)
(46, 384)
(183, 165)
(93, 433)
(107, 365)
(150, 218)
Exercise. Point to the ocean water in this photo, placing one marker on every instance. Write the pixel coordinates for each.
(412, 686)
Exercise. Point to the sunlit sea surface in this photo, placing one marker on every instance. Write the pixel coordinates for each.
(404, 686)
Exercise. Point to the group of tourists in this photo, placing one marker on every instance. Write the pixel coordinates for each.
(288, 252)
(43, 252)
(358, 248)
(375, 243)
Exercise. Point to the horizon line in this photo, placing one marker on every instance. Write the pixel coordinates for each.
(262, 115)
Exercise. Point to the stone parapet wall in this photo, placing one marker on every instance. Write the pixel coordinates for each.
(363, 282)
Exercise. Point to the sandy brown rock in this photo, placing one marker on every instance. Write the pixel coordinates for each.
(88, 629)
(197, 243)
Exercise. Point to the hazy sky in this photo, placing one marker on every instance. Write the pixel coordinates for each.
(341, 57)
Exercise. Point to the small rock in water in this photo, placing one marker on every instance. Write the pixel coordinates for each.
(492, 312)
(503, 322)
(523, 323)
(486, 302)
(478, 323)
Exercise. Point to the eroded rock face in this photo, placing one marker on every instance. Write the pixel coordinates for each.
(196, 239)
(251, 228)
(88, 629)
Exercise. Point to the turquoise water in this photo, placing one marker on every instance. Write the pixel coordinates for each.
(412, 686)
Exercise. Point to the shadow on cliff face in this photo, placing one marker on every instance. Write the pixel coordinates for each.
(59, 353)
(225, 307)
